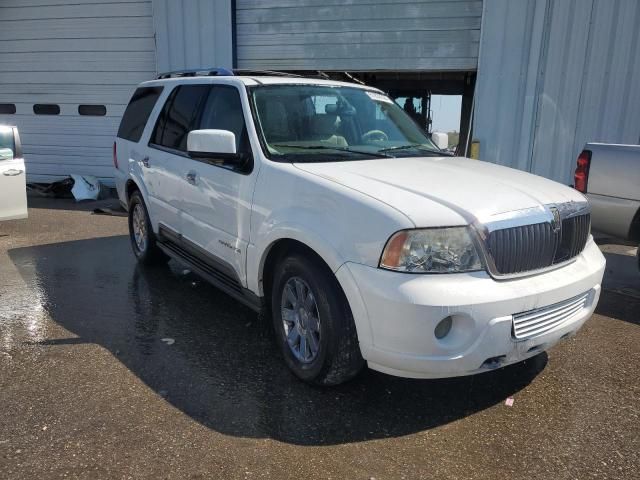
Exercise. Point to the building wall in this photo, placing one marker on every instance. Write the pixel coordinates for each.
(193, 34)
(553, 75)
(358, 34)
(88, 52)
(95, 52)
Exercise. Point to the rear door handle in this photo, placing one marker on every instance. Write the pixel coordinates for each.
(145, 162)
(12, 172)
(192, 177)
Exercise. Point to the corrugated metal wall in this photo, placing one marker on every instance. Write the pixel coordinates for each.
(554, 74)
(358, 34)
(69, 54)
(193, 34)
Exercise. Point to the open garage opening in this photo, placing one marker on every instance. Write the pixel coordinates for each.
(439, 102)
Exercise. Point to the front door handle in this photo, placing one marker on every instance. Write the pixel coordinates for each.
(145, 162)
(12, 172)
(192, 177)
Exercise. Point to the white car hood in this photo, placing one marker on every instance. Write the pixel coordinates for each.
(445, 191)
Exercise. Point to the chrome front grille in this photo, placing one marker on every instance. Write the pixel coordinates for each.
(573, 237)
(541, 320)
(536, 246)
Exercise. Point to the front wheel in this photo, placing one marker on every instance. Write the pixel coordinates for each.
(313, 323)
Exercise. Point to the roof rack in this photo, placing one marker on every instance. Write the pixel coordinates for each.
(223, 72)
(258, 73)
(198, 72)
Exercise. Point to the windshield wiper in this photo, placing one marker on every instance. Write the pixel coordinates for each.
(378, 153)
(417, 146)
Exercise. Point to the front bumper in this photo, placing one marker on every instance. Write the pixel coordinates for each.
(396, 314)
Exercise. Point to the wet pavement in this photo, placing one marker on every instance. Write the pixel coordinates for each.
(110, 370)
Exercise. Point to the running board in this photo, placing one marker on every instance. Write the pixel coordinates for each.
(209, 268)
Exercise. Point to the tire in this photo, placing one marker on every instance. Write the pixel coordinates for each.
(143, 240)
(325, 322)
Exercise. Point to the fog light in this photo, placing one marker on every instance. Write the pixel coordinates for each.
(443, 328)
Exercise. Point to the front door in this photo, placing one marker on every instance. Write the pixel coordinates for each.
(217, 196)
(13, 184)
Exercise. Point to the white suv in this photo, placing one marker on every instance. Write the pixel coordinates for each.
(324, 204)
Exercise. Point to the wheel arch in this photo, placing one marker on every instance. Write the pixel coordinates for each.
(277, 250)
(277, 241)
(129, 187)
(282, 246)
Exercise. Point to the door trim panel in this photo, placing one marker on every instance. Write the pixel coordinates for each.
(212, 268)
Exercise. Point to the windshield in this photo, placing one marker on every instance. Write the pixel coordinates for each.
(327, 123)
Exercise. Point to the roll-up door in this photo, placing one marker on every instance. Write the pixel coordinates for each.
(422, 35)
(69, 69)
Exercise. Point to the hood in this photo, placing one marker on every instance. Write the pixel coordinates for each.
(445, 191)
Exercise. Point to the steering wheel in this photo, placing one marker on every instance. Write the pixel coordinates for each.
(375, 136)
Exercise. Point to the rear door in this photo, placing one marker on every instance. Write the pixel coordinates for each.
(13, 186)
(166, 159)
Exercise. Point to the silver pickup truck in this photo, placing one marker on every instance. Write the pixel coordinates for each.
(609, 175)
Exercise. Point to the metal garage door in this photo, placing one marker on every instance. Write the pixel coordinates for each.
(80, 52)
(358, 35)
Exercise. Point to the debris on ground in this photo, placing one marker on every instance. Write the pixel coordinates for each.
(115, 212)
(168, 341)
(509, 402)
(59, 189)
(80, 187)
(85, 187)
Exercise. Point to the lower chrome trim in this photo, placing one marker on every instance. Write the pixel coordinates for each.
(537, 322)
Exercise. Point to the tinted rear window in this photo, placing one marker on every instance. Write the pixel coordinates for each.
(137, 113)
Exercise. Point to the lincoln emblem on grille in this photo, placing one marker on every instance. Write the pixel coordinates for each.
(556, 224)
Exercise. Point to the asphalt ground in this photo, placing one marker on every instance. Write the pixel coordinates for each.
(110, 370)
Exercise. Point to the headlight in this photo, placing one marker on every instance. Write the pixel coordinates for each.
(432, 250)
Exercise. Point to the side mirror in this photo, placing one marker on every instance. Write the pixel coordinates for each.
(214, 145)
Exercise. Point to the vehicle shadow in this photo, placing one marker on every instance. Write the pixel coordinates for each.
(48, 203)
(621, 306)
(223, 370)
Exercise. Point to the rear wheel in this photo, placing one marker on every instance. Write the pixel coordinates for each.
(313, 323)
(143, 240)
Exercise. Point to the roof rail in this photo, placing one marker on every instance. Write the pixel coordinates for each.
(207, 71)
(257, 73)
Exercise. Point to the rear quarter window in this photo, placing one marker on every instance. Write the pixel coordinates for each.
(137, 113)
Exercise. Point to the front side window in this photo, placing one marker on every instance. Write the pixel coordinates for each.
(223, 111)
(7, 144)
(200, 107)
(329, 123)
